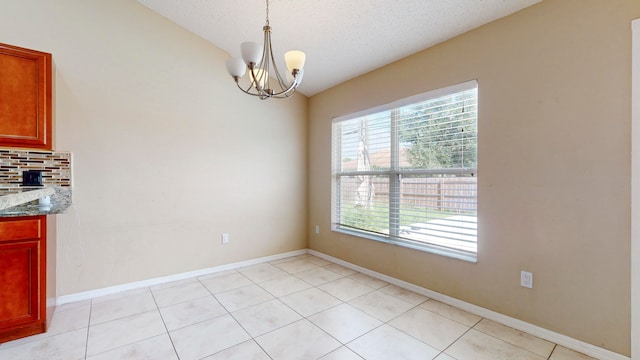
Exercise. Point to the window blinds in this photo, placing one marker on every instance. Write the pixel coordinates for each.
(406, 172)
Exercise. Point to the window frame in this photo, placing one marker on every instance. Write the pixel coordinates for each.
(394, 174)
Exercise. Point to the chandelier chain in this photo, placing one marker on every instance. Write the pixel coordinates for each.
(267, 12)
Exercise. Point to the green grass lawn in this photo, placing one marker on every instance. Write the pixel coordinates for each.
(376, 218)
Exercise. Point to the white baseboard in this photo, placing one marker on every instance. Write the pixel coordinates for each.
(563, 340)
(166, 279)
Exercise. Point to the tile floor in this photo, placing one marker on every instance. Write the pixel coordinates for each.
(300, 307)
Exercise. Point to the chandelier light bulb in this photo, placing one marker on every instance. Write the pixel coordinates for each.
(260, 79)
(236, 67)
(295, 59)
(251, 52)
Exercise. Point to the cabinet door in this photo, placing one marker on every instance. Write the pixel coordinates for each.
(25, 98)
(22, 276)
(19, 290)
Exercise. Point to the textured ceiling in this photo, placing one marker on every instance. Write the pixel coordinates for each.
(342, 38)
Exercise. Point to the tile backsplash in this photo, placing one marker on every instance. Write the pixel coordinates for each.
(55, 166)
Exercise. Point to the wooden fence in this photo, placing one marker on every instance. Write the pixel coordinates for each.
(455, 194)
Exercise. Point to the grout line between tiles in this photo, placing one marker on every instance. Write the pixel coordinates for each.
(508, 342)
(552, 350)
(86, 343)
(457, 339)
(165, 324)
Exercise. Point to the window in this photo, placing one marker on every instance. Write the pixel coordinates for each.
(406, 172)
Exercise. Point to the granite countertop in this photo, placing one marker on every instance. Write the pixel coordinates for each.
(23, 201)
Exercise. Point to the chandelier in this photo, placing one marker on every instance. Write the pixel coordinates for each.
(265, 80)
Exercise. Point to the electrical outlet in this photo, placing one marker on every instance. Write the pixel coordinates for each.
(526, 279)
(317, 229)
(32, 178)
(225, 238)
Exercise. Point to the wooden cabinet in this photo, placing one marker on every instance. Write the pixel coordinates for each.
(22, 276)
(25, 98)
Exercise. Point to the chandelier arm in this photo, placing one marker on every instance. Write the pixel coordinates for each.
(278, 77)
(248, 91)
(263, 95)
(281, 82)
(266, 50)
(255, 80)
(287, 92)
(252, 79)
(286, 89)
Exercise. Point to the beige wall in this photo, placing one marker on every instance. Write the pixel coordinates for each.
(635, 193)
(554, 174)
(168, 154)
